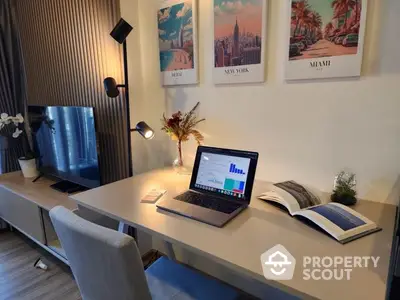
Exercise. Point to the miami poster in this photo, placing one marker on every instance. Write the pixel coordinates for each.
(177, 32)
(239, 41)
(325, 38)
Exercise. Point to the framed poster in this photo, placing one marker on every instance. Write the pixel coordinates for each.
(239, 41)
(326, 38)
(177, 33)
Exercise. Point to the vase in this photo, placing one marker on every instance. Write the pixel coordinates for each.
(28, 167)
(178, 164)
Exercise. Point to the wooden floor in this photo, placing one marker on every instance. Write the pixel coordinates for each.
(20, 280)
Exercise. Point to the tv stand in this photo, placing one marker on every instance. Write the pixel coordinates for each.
(66, 186)
(25, 206)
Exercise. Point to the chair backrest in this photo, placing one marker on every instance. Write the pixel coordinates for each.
(106, 264)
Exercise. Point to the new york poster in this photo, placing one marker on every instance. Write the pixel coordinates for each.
(239, 41)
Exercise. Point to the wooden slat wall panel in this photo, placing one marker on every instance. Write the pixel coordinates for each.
(68, 52)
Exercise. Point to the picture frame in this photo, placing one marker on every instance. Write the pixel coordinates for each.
(325, 39)
(178, 42)
(239, 44)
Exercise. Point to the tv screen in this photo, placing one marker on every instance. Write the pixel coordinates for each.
(64, 138)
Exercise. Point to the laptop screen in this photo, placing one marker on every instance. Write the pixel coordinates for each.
(225, 172)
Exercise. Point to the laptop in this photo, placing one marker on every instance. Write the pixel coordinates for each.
(220, 187)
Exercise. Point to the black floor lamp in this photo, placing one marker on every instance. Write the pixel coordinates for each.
(120, 33)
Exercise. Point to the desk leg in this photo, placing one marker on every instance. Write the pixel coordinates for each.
(144, 245)
(170, 251)
(124, 228)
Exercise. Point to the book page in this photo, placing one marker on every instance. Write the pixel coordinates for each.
(303, 196)
(292, 195)
(286, 200)
(338, 220)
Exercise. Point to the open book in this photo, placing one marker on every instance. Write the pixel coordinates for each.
(341, 222)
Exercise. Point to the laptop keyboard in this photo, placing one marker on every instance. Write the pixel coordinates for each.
(207, 202)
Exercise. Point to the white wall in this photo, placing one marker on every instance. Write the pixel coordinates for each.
(304, 131)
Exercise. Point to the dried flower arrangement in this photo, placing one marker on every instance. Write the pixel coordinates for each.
(180, 127)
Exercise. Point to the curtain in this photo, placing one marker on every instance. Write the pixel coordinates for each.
(12, 80)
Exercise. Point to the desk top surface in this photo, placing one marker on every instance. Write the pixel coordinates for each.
(39, 192)
(260, 227)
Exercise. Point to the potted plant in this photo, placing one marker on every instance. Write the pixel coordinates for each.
(180, 127)
(13, 127)
(344, 190)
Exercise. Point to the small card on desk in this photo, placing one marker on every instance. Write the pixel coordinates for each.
(153, 196)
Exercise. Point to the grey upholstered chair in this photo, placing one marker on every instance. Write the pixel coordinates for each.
(107, 265)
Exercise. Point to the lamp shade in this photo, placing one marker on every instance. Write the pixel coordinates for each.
(110, 85)
(145, 130)
(121, 31)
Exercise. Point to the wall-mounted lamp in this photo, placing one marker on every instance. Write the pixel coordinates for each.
(144, 130)
(111, 87)
(120, 33)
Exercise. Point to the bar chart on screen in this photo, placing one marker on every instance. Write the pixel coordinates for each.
(235, 170)
(223, 173)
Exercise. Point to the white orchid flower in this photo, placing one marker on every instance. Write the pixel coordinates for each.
(17, 133)
(18, 119)
(5, 119)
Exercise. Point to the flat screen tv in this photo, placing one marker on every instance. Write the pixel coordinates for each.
(64, 138)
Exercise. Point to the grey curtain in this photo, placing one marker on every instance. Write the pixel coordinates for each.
(12, 80)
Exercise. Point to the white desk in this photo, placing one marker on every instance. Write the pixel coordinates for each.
(241, 242)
